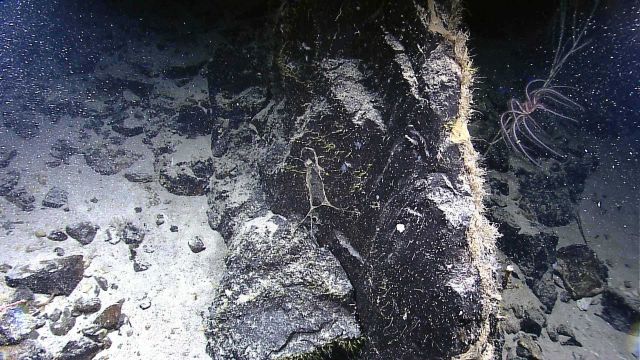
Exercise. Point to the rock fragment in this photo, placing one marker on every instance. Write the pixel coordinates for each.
(55, 198)
(196, 244)
(583, 274)
(84, 232)
(57, 276)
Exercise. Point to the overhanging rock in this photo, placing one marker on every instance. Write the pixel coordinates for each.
(350, 200)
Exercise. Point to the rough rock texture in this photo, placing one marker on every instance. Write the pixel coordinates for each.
(84, 232)
(15, 325)
(187, 178)
(346, 146)
(55, 198)
(584, 275)
(108, 159)
(8, 180)
(275, 276)
(56, 276)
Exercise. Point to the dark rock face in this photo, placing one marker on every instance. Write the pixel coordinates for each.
(84, 231)
(56, 277)
(551, 198)
(584, 275)
(348, 153)
(534, 254)
(193, 120)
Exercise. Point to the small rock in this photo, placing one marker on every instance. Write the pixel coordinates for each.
(81, 349)
(145, 303)
(40, 233)
(132, 234)
(56, 276)
(186, 178)
(55, 198)
(628, 284)
(57, 235)
(173, 228)
(8, 180)
(15, 325)
(565, 297)
(22, 294)
(139, 265)
(26, 350)
(111, 317)
(94, 200)
(21, 198)
(511, 325)
(583, 304)
(196, 244)
(58, 251)
(566, 336)
(95, 332)
(533, 321)
(87, 305)
(63, 325)
(139, 177)
(63, 149)
(108, 159)
(545, 290)
(619, 310)
(55, 315)
(84, 231)
(102, 282)
(159, 219)
(6, 156)
(527, 348)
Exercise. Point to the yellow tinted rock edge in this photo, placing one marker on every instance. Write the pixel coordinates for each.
(481, 234)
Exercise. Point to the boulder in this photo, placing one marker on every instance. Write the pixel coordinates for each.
(333, 152)
(583, 274)
(57, 276)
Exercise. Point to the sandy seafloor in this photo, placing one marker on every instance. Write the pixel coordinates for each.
(179, 283)
(609, 211)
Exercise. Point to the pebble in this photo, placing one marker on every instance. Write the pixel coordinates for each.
(173, 228)
(40, 233)
(145, 303)
(57, 235)
(159, 219)
(196, 244)
(58, 251)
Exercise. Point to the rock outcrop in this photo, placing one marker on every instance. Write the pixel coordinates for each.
(345, 148)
